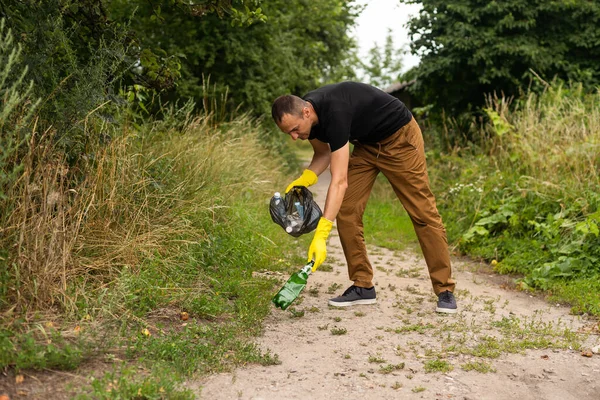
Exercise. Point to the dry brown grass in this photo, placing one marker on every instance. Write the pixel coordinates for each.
(70, 237)
(552, 138)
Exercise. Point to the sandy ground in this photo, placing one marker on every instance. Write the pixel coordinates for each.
(386, 347)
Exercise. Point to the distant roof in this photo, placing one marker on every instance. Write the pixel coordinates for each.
(398, 86)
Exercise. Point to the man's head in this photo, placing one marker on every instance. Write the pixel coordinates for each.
(293, 116)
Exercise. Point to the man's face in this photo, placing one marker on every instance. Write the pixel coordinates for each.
(297, 126)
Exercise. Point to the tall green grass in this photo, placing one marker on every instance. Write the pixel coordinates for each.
(159, 222)
(526, 198)
(530, 200)
(386, 223)
(144, 248)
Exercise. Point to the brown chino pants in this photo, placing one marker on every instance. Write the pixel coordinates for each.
(401, 158)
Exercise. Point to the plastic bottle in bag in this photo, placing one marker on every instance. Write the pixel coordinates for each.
(299, 209)
(278, 205)
(292, 225)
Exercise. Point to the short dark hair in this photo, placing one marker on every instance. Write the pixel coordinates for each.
(287, 104)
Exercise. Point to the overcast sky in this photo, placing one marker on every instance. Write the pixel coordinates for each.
(377, 17)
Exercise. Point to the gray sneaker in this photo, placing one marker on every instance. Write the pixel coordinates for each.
(355, 295)
(446, 303)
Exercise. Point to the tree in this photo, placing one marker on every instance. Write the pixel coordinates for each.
(384, 65)
(472, 47)
(78, 56)
(298, 43)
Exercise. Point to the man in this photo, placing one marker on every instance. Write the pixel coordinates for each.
(386, 139)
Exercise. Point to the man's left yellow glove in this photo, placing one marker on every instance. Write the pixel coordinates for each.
(308, 178)
(318, 247)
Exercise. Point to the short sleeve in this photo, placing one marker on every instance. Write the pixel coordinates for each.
(338, 129)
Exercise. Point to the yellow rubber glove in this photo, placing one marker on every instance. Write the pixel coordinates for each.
(307, 179)
(318, 248)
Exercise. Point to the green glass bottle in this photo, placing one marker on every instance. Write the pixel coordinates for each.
(292, 288)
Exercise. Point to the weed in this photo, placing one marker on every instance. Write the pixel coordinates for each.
(338, 331)
(412, 289)
(296, 314)
(397, 385)
(44, 350)
(323, 327)
(376, 359)
(389, 368)
(313, 292)
(359, 313)
(489, 306)
(130, 384)
(420, 328)
(337, 319)
(333, 287)
(418, 389)
(399, 351)
(478, 366)
(413, 272)
(438, 366)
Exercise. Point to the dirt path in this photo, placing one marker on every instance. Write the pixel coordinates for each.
(399, 347)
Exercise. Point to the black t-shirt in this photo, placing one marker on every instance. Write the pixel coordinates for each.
(350, 111)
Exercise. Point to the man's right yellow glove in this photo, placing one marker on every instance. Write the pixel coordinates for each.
(308, 178)
(318, 246)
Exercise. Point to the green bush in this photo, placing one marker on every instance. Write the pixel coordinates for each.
(16, 112)
(531, 203)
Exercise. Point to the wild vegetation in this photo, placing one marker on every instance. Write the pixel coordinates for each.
(530, 204)
(526, 201)
(136, 165)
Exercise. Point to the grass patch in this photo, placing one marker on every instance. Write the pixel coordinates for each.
(389, 368)
(198, 348)
(438, 366)
(509, 335)
(333, 288)
(47, 348)
(479, 366)
(338, 331)
(386, 223)
(376, 359)
(326, 268)
(128, 383)
(582, 294)
(420, 328)
(164, 224)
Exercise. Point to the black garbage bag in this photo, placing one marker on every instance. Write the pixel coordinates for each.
(297, 212)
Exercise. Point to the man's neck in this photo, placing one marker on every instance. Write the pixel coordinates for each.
(313, 115)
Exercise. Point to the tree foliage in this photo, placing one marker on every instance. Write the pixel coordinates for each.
(297, 43)
(94, 56)
(384, 64)
(472, 47)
